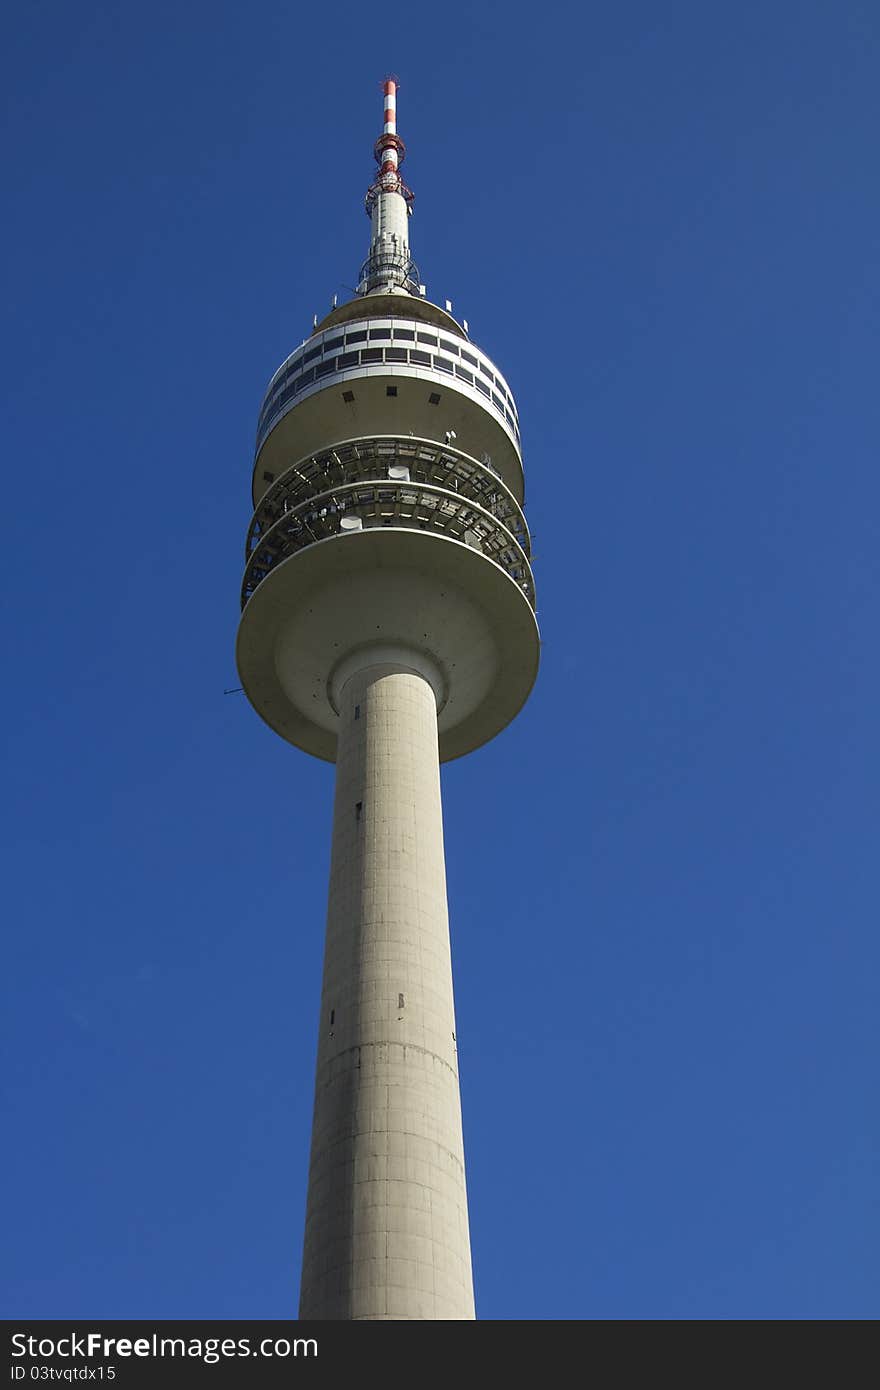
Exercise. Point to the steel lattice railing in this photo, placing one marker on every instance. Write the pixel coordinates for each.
(381, 503)
(363, 460)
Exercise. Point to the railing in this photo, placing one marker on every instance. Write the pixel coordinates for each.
(369, 460)
(385, 266)
(383, 503)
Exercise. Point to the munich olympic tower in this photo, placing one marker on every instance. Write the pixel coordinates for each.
(388, 625)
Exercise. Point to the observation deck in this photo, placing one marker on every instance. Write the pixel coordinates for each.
(389, 481)
(375, 375)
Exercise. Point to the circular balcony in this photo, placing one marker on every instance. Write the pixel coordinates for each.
(383, 458)
(354, 507)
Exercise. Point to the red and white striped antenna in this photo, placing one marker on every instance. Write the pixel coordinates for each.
(389, 151)
(389, 268)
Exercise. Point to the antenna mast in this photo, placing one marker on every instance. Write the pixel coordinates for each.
(389, 267)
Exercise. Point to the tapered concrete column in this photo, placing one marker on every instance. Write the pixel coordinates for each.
(386, 1221)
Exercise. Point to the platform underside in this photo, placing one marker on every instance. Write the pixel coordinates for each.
(389, 585)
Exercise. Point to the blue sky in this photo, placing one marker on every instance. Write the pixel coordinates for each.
(662, 222)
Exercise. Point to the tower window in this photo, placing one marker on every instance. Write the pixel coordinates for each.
(434, 398)
(371, 355)
(405, 334)
(390, 390)
(347, 359)
(360, 337)
(428, 338)
(379, 333)
(400, 1001)
(395, 354)
(348, 397)
(357, 711)
(359, 806)
(423, 357)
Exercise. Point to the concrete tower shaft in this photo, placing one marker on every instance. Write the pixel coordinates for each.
(388, 624)
(386, 1223)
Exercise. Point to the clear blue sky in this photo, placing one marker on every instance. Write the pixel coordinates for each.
(662, 221)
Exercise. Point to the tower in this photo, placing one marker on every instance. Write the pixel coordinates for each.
(388, 624)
